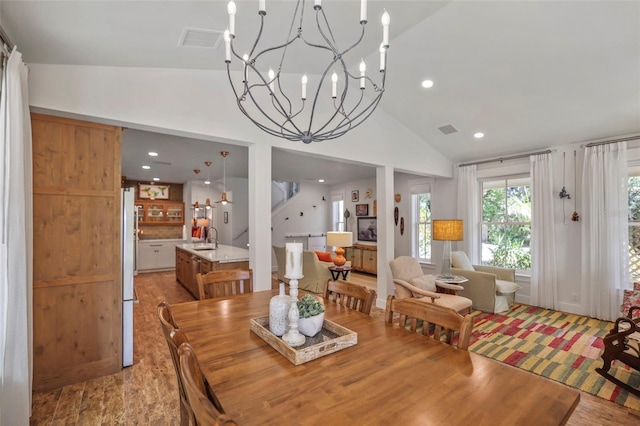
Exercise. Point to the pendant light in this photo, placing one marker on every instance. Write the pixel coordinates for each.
(224, 200)
(208, 181)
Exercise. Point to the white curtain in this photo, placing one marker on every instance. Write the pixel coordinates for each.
(469, 211)
(544, 291)
(605, 232)
(16, 190)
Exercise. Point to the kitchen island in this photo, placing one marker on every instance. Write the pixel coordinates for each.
(200, 258)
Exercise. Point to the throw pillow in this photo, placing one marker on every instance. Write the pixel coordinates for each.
(505, 287)
(460, 260)
(324, 256)
(424, 282)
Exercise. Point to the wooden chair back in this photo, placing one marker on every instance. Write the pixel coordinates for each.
(225, 283)
(351, 295)
(443, 319)
(206, 407)
(175, 338)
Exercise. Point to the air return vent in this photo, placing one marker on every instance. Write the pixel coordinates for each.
(448, 129)
(163, 163)
(198, 37)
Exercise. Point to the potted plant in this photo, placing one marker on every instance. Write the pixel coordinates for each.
(311, 313)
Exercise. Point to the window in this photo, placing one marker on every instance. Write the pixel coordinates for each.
(421, 220)
(634, 227)
(506, 222)
(337, 207)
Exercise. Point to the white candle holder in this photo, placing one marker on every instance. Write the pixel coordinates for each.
(293, 337)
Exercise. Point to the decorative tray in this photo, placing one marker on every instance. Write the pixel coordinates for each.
(330, 339)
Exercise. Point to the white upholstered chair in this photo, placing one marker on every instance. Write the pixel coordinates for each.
(491, 288)
(410, 281)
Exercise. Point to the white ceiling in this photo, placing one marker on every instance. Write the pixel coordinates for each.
(529, 74)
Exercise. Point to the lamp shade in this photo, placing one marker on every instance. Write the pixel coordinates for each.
(340, 239)
(447, 230)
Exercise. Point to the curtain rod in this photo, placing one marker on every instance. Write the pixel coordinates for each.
(501, 159)
(631, 138)
(4, 38)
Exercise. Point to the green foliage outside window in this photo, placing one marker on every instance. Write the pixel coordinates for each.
(506, 217)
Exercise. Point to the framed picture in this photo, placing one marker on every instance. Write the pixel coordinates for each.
(367, 229)
(226, 217)
(362, 209)
(355, 196)
(153, 192)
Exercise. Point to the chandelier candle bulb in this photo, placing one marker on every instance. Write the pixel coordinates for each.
(262, 7)
(293, 261)
(334, 85)
(227, 46)
(383, 54)
(304, 87)
(317, 4)
(245, 58)
(272, 76)
(231, 8)
(385, 28)
(363, 68)
(363, 11)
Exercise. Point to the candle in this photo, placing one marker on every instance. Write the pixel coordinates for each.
(304, 87)
(334, 85)
(363, 10)
(231, 8)
(363, 68)
(293, 260)
(385, 28)
(382, 57)
(272, 76)
(262, 6)
(227, 46)
(317, 4)
(245, 58)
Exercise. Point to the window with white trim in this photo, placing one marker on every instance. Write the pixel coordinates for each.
(421, 220)
(506, 222)
(337, 207)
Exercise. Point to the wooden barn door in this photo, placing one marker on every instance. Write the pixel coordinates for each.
(77, 298)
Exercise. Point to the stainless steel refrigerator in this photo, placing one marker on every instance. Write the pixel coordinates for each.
(128, 255)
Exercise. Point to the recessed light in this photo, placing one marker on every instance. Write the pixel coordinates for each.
(146, 167)
(206, 182)
(478, 135)
(156, 179)
(153, 154)
(321, 180)
(427, 84)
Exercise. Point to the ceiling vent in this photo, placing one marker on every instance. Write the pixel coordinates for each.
(163, 163)
(198, 37)
(448, 129)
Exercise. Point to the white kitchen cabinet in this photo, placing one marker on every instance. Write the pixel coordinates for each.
(156, 255)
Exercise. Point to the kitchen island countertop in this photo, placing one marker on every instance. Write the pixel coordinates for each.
(223, 254)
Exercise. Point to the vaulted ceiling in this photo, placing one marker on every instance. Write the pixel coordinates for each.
(528, 74)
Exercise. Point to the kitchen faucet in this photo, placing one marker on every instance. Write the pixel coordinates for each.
(212, 240)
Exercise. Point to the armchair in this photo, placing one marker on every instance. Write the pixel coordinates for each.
(491, 288)
(410, 281)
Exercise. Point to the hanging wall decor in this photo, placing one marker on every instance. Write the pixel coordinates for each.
(395, 216)
(402, 226)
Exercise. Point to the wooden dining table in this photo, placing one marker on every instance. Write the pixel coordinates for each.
(390, 377)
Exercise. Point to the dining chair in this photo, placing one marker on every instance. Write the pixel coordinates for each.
(225, 283)
(174, 340)
(206, 407)
(443, 319)
(349, 294)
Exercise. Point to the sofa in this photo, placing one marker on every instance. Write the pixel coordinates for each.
(315, 271)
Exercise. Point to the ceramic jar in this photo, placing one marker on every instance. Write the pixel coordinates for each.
(278, 310)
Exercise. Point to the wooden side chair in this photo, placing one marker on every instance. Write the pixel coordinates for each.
(622, 344)
(443, 319)
(205, 406)
(225, 283)
(174, 339)
(351, 295)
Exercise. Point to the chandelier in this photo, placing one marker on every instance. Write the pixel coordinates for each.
(277, 101)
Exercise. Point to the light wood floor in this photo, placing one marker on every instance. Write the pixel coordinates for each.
(146, 393)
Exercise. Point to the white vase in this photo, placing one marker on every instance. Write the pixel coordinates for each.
(312, 325)
(278, 309)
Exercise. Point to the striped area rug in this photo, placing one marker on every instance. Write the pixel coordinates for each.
(562, 347)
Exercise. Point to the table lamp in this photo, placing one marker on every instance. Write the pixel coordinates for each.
(447, 231)
(339, 240)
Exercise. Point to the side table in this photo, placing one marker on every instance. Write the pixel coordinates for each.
(454, 279)
(336, 271)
